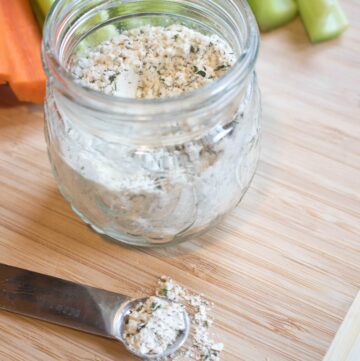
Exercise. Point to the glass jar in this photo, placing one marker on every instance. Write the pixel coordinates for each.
(159, 171)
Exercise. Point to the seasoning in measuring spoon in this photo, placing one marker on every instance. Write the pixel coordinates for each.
(154, 325)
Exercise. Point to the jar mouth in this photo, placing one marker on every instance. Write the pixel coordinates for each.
(108, 103)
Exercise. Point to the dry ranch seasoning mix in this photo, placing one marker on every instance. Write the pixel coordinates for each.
(154, 61)
(153, 325)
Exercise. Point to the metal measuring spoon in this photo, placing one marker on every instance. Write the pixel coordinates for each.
(73, 305)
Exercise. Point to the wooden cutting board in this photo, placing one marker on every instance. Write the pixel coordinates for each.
(283, 268)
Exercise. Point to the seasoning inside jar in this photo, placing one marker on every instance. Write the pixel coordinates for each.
(154, 61)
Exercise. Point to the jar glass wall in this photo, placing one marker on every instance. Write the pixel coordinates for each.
(150, 172)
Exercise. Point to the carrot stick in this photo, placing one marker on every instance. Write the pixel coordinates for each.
(4, 61)
(27, 79)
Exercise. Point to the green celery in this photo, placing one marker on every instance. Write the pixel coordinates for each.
(40, 17)
(323, 19)
(44, 5)
(271, 14)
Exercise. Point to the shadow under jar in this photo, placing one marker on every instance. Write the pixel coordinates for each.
(159, 171)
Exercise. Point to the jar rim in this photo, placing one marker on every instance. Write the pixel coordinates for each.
(238, 73)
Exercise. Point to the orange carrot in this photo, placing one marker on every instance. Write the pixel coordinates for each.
(23, 39)
(4, 61)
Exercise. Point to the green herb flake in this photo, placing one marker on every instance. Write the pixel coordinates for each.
(202, 73)
(221, 67)
(155, 306)
(112, 78)
(164, 291)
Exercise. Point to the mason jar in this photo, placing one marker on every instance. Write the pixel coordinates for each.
(154, 171)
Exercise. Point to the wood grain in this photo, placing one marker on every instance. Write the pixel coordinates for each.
(283, 268)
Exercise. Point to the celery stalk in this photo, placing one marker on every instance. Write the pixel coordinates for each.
(323, 19)
(271, 14)
(44, 5)
(41, 9)
(40, 17)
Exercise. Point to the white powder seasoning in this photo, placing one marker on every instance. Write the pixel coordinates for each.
(154, 61)
(200, 346)
(151, 327)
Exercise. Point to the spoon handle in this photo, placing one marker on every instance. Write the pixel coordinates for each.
(55, 300)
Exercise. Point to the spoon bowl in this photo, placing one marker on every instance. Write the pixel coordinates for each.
(119, 325)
